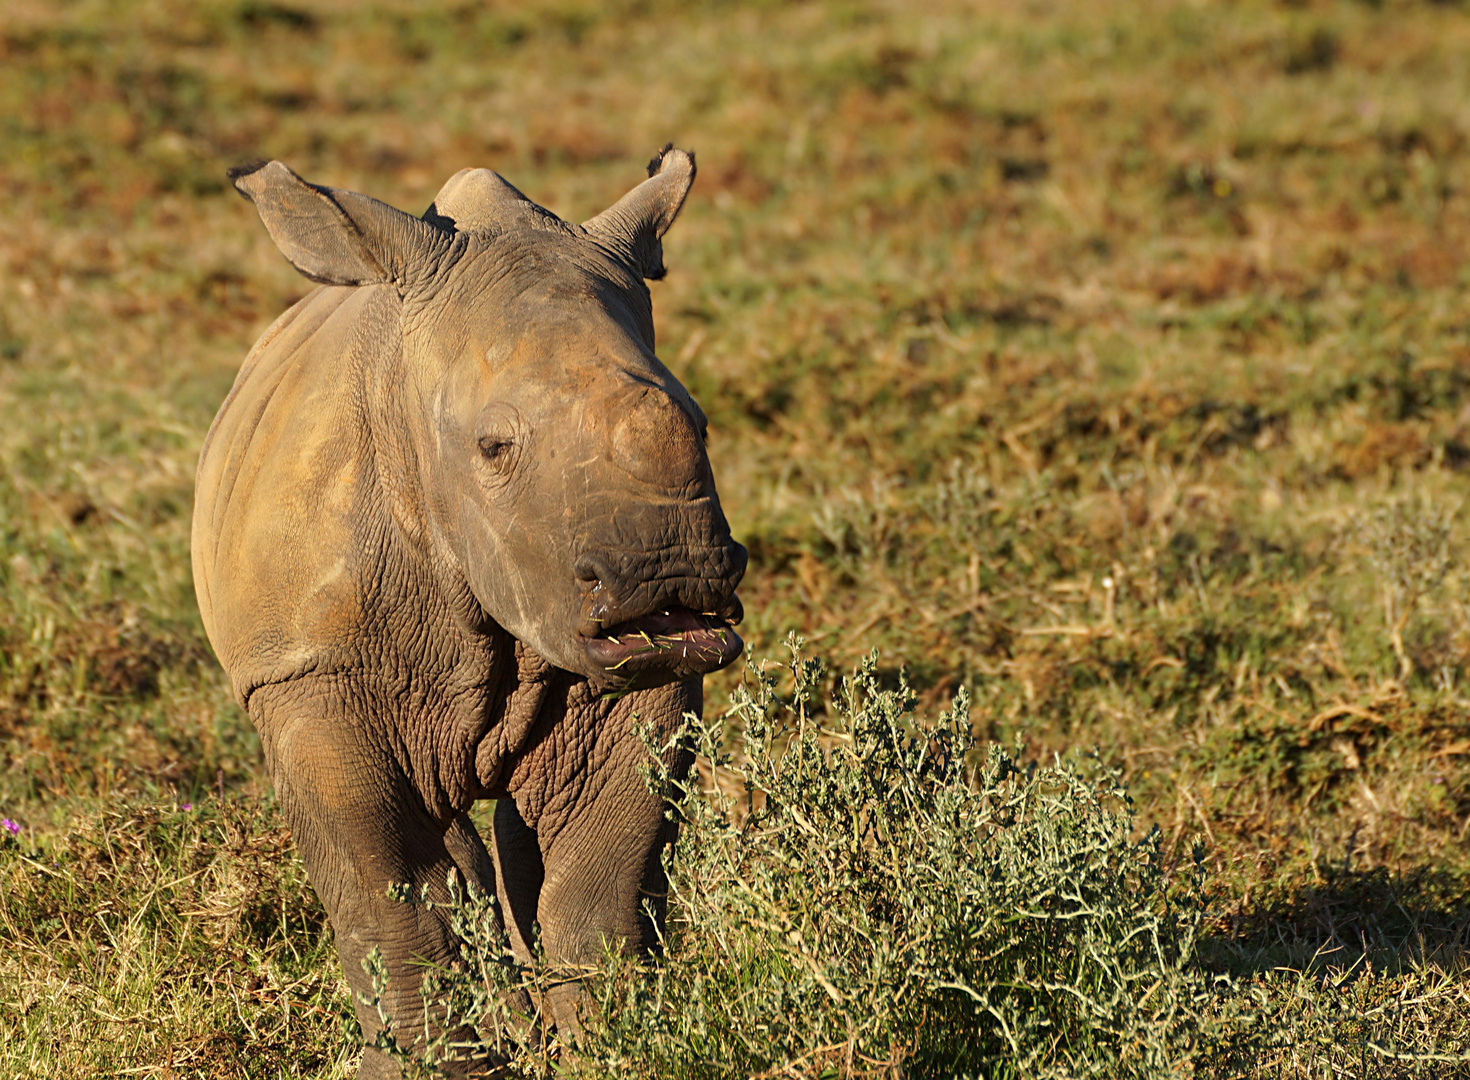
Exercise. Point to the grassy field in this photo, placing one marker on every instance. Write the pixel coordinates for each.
(1108, 359)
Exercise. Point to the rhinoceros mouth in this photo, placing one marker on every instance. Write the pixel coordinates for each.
(665, 645)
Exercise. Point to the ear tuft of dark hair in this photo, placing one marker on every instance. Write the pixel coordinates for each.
(658, 159)
(237, 171)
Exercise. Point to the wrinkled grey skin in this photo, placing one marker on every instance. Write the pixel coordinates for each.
(449, 503)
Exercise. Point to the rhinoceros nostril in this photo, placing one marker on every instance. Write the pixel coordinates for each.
(600, 600)
(593, 569)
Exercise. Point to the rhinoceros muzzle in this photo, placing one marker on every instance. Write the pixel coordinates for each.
(663, 646)
(645, 630)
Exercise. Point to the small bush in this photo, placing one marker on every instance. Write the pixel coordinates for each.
(862, 892)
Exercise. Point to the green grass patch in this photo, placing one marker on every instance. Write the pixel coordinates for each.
(144, 938)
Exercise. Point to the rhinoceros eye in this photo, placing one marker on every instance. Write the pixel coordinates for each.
(497, 451)
(501, 436)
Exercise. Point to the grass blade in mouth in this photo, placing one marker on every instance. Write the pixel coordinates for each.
(673, 641)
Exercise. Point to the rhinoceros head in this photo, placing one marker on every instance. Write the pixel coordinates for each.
(533, 448)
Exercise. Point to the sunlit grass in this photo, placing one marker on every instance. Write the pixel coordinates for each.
(1110, 360)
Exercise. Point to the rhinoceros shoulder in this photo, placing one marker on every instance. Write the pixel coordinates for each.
(283, 519)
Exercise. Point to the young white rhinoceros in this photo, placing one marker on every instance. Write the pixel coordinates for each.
(455, 530)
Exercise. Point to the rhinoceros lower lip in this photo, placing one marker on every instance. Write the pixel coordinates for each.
(677, 641)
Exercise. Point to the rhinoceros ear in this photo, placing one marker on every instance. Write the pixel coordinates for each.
(473, 199)
(337, 237)
(634, 226)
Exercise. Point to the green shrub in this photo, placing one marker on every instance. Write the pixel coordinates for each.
(860, 891)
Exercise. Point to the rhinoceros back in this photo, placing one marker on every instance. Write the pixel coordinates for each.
(281, 544)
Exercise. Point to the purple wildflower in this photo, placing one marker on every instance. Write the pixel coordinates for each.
(10, 826)
(187, 806)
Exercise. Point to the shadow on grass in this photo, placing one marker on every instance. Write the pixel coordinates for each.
(1388, 922)
(1355, 975)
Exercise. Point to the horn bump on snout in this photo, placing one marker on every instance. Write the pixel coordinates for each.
(656, 441)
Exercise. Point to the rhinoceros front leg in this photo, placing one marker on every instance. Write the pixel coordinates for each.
(582, 789)
(361, 825)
